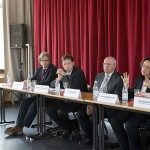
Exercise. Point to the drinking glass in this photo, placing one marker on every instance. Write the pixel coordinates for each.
(33, 83)
(136, 91)
(65, 84)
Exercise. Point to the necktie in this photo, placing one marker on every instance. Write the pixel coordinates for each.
(69, 75)
(103, 87)
(43, 73)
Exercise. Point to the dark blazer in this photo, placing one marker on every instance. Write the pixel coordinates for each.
(115, 83)
(49, 76)
(114, 86)
(26, 116)
(76, 80)
(137, 85)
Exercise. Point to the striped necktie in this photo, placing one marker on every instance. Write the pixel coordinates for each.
(103, 87)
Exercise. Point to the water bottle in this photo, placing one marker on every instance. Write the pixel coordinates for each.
(29, 84)
(95, 90)
(57, 86)
(125, 94)
(8, 79)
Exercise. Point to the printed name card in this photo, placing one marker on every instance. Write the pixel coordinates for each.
(72, 93)
(18, 85)
(108, 98)
(141, 102)
(41, 89)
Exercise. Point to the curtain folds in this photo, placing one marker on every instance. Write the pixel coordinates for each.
(17, 12)
(7, 52)
(91, 30)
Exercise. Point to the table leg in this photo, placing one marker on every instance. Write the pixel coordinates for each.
(2, 104)
(95, 128)
(41, 121)
(101, 127)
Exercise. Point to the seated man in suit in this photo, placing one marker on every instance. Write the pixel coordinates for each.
(113, 85)
(28, 108)
(58, 110)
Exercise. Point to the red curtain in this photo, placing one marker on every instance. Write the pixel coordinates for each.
(91, 30)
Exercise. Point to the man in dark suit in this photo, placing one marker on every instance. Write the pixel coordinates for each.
(28, 108)
(59, 110)
(114, 86)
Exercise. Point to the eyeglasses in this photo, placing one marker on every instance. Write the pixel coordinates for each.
(44, 60)
(147, 67)
(107, 64)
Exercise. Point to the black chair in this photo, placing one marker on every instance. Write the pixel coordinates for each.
(144, 138)
(107, 143)
(58, 131)
(76, 134)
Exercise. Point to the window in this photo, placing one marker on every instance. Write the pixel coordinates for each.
(1, 37)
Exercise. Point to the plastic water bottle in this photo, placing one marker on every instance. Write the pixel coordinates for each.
(29, 84)
(8, 79)
(95, 90)
(125, 94)
(57, 86)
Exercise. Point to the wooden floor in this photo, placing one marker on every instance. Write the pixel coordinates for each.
(53, 143)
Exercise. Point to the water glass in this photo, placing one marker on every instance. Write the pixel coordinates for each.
(136, 91)
(65, 85)
(33, 83)
(57, 87)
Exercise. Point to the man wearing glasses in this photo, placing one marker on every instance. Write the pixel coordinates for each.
(28, 107)
(111, 81)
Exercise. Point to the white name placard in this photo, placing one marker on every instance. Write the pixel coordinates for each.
(72, 93)
(141, 102)
(18, 85)
(41, 88)
(109, 98)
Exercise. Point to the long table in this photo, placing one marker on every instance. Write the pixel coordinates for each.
(87, 98)
(119, 106)
(3, 87)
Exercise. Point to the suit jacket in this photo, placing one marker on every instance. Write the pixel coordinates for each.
(138, 85)
(48, 77)
(76, 80)
(114, 85)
